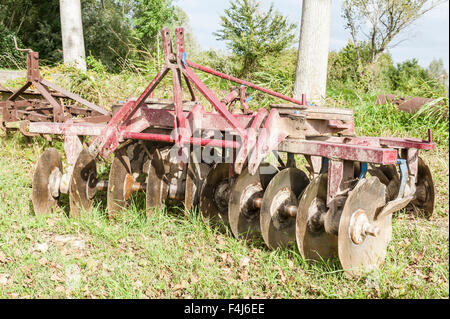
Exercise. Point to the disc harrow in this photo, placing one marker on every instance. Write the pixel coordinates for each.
(50, 104)
(174, 150)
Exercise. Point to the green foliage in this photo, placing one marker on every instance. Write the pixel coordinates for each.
(344, 69)
(251, 33)
(437, 71)
(36, 23)
(150, 16)
(411, 79)
(372, 119)
(407, 75)
(9, 57)
(107, 31)
(114, 30)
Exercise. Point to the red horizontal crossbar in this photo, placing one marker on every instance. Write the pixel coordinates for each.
(246, 83)
(349, 152)
(191, 140)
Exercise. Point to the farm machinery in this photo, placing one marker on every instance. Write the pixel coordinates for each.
(50, 104)
(341, 205)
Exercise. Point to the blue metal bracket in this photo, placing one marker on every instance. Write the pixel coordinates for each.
(364, 167)
(403, 176)
(324, 167)
(183, 58)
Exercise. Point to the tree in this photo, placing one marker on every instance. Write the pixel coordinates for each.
(149, 18)
(37, 24)
(72, 33)
(108, 31)
(380, 21)
(251, 33)
(114, 30)
(437, 71)
(311, 73)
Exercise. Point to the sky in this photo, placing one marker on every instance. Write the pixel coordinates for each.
(424, 40)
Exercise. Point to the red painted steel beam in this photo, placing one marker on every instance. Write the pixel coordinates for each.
(246, 83)
(209, 95)
(87, 129)
(347, 152)
(191, 140)
(406, 143)
(381, 141)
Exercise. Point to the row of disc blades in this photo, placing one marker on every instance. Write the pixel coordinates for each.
(282, 206)
(256, 206)
(291, 187)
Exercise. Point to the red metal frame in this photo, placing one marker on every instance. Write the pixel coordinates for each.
(137, 119)
(49, 108)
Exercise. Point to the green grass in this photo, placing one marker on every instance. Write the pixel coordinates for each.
(175, 255)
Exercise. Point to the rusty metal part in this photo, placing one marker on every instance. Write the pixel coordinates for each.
(312, 239)
(243, 214)
(195, 177)
(215, 195)
(23, 127)
(83, 184)
(157, 183)
(126, 176)
(388, 175)
(364, 236)
(279, 207)
(423, 202)
(406, 104)
(45, 184)
(47, 109)
(116, 195)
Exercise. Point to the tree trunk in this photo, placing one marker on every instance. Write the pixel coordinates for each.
(72, 33)
(312, 63)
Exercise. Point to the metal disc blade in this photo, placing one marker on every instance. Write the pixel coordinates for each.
(215, 194)
(278, 228)
(242, 214)
(49, 163)
(82, 183)
(157, 186)
(312, 240)
(195, 177)
(388, 175)
(119, 170)
(425, 193)
(363, 238)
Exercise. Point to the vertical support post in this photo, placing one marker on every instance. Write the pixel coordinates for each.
(340, 173)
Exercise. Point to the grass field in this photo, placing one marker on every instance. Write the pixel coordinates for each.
(175, 255)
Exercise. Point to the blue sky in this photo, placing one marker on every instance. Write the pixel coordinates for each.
(426, 39)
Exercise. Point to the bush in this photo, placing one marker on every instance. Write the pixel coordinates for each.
(10, 58)
(411, 79)
(344, 70)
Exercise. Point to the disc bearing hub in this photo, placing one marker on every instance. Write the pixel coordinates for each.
(360, 227)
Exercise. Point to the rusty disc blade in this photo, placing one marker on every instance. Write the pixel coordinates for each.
(120, 169)
(425, 193)
(82, 184)
(195, 177)
(277, 227)
(363, 238)
(388, 175)
(49, 164)
(242, 214)
(312, 240)
(215, 194)
(157, 184)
